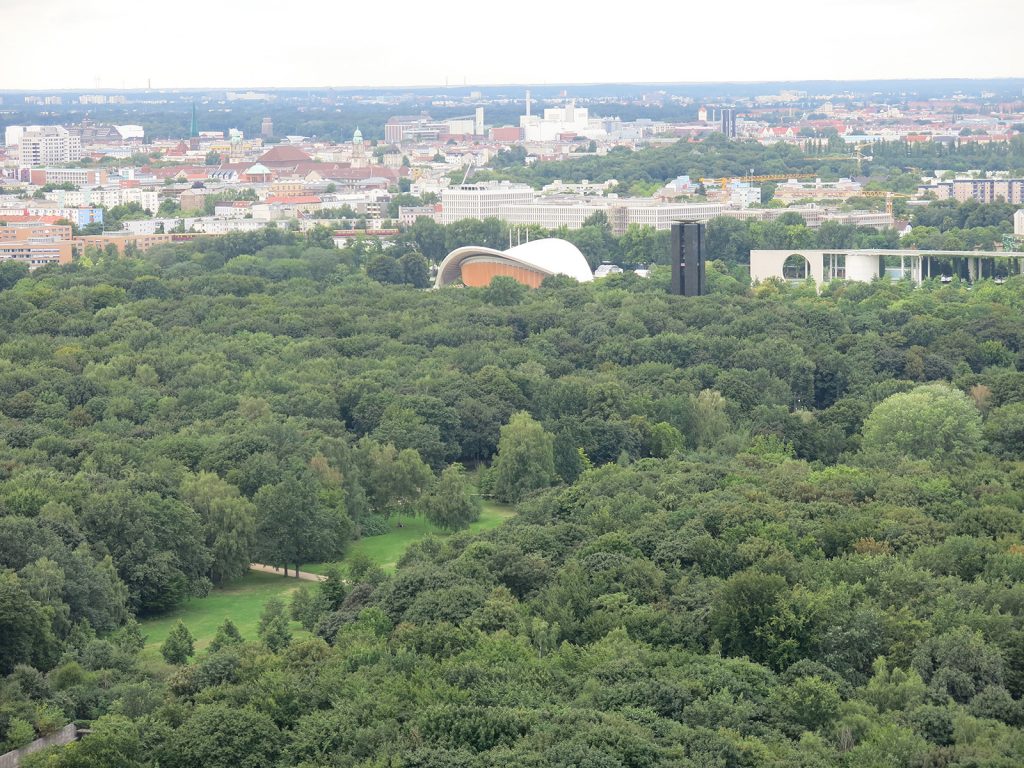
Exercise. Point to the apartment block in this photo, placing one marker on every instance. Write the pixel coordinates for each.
(33, 230)
(80, 177)
(982, 190)
(43, 145)
(37, 253)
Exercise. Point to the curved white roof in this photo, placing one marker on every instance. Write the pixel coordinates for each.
(551, 256)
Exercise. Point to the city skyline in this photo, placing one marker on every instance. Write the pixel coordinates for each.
(110, 45)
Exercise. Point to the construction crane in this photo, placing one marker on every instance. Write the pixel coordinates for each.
(889, 196)
(469, 169)
(724, 180)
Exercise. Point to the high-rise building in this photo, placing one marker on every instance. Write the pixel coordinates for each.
(42, 145)
(267, 128)
(729, 122)
(688, 256)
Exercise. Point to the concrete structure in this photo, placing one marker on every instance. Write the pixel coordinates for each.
(1018, 222)
(792, 190)
(80, 177)
(108, 197)
(481, 201)
(518, 204)
(815, 216)
(65, 735)
(560, 122)
(267, 128)
(688, 256)
(26, 211)
(48, 145)
(400, 129)
(33, 230)
(121, 241)
(865, 265)
(982, 190)
(529, 264)
(729, 122)
(37, 253)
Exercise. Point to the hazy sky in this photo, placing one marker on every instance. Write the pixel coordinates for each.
(230, 43)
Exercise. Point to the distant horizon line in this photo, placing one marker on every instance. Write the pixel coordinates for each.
(464, 86)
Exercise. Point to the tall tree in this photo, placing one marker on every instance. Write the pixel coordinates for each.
(179, 644)
(525, 460)
(229, 524)
(452, 503)
(295, 526)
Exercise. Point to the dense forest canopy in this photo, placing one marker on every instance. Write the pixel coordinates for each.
(765, 527)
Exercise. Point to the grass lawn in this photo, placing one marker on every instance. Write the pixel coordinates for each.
(385, 550)
(242, 601)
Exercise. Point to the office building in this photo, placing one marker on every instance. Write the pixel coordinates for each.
(42, 145)
(729, 122)
(267, 128)
(481, 201)
(865, 264)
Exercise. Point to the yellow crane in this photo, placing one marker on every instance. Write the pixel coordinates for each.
(889, 197)
(724, 180)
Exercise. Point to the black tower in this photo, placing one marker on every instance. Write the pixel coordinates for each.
(688, 259)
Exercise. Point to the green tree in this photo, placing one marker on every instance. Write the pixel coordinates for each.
(227, 635)
(179, 644)
(229, 523)
(935, 422)
(295, 526)
(1004, 431)
(320, 236)
(504, 291)
(451, 503)
(526, 459)
(223, 735)
(665, 440)
(273, 628)
(25, 626)
(415, 270)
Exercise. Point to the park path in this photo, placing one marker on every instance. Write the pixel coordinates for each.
(272, 569)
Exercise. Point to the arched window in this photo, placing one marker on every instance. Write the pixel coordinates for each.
(796, 267)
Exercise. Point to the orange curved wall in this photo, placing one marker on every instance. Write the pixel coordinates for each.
(479, 274)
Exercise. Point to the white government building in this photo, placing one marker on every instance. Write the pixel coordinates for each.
(868, 264)
(520, 204)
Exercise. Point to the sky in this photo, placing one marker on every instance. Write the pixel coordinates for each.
(106, 44)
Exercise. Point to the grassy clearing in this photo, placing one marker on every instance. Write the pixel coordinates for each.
(386, 549)
(242, 601)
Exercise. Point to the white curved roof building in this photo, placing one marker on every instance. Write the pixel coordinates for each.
(528, 263)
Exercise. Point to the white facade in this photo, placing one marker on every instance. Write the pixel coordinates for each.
(42, 145)
(558, 120)
(823, 266)
(147, 198)
(1018, 222)
(744, 195)
(865, 265)
(518, 204)
(12, 135)
(481, 201)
